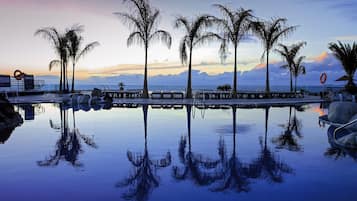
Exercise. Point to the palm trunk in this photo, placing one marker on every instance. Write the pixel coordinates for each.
(291, 81)
(64, 77)
(234, 129)
(73, 76)
(266, 126)
(189, 79)
(60, 84)
(295, 84)
(188, 113)
(235, 73)
(145, 89)
(267, 83)
(67, 88)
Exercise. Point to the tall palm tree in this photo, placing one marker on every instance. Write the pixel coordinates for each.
(143, 20)
(235, 25)
(233, 170)
(195, 35)
(268, 165)
(270, 32)
(287, 140)
(69, 146)
(347, 55)
(144, 178)
(298, 69)
(59, 42)
(194, 165)
(289, 53)
(75, 53)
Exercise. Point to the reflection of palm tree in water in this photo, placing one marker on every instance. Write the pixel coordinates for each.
(69, 146)
(234, 172)
(268, 166)
(287, 140)
(194, 164)
(143, 178)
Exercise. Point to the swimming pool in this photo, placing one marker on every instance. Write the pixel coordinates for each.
(174, 154)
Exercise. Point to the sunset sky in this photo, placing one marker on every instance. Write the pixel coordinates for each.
(320, 22)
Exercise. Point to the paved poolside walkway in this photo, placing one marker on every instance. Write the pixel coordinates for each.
(55, 98)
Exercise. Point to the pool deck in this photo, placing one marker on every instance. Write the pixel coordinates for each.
(54, 98)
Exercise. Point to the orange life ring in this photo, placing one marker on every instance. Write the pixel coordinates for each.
(18, 75)
(323, 78)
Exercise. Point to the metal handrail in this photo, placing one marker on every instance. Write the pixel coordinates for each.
(342, 127)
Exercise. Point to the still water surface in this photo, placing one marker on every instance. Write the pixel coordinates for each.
(186, 154)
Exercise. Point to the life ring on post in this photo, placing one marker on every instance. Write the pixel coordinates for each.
(18, 75)
(323, 78)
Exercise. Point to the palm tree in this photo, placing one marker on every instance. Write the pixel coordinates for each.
(69, 146)
(298, 69)
(235, 26)
(347, 55)
(287, 140)
(75, 42)
(194, 36)
(268, 165)
(270, 32)
(143, 179)
(143, 20)
(59, 42)
(194, 165)
(288, 53)
(233, 170)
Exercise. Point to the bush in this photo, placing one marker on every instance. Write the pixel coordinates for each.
(225, 87)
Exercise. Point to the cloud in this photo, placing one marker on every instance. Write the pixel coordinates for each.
(278, 77)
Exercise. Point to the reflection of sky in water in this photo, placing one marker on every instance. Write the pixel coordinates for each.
(309, 175)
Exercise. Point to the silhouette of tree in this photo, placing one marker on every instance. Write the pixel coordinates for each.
(347, 55)
(235, 25)
(194, 37)
(60, 42)
(75, 52)
(287, 140)
(196, 167)
(233, 170)
(289, 54)
(268, 166)
(143, 178)
(69, 146)
(143, 20)
(270, 32)
(298, 69)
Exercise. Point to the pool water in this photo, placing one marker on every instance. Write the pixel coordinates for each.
(165, 154)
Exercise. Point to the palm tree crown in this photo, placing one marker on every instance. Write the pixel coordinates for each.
(143, 20)
(195, 35)
(289, 53)
(270, 32)
(74, 47)
(235, 25)
(347, 55)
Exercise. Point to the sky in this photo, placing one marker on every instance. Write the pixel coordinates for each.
(319, 21)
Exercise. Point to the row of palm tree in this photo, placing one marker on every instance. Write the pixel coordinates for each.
(67, 46)
(234, 24)
(224, 173)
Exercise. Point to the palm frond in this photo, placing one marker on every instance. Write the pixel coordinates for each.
(53, 64)
(87, 49)
(183, 50)
(135, 38)
(162, 36)
(206, 38)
